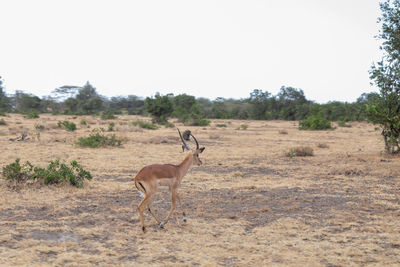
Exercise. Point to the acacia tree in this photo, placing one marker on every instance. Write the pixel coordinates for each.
(384, 108)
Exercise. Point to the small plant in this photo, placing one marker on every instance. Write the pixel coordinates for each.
(83, 122)
(69, 126)
(144, 125)
(3, 113)
(322, 145)
(315, 123)
(198, 121)
(301, 151)
(221, 125)
(108, 116)
(3, 122)
(111, 126)
(39, 127)
(169, 125)
(344, 124)
(242, 127)
(98, 139)
(56, 172)
(32, 114)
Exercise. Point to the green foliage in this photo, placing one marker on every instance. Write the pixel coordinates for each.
(384, 108)
(56, 172)
(198, 120)
(344, 124)
(315, 123)
(242, 127)
(109, 115)
(144, 125)
(83, 122)
(39, 127)
(169, 125)
(3, 122)
(221, 125)
(111, 126)
(32, 114)
(69, 126)
(160, 107)
(98, 139)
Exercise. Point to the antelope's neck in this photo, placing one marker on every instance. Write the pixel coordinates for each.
(185, 165)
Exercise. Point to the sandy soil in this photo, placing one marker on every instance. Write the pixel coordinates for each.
(248, 205)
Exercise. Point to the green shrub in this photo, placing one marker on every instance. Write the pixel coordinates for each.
(144, 125)
(343, 124)
(169, 125)
(3, 122)
(69, 126)
(83, 122)
(315, 123)
(32, 114)
(98, 139)
(111, 126)
(242, 127)
(221, 125)
(56, 172)
(108, 116)
(198, 121)
(39, 127)
(3, 113)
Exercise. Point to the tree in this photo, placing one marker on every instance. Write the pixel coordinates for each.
(160, 107)
(88, 101)
(4, 100)
(384, 109)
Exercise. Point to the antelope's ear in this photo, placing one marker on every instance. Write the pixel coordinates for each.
(202, 149)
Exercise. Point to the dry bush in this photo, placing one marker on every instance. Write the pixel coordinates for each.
(283, 132)
(322, 145)
(301, 151)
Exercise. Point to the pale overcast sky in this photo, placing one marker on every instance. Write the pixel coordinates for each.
(208, 48)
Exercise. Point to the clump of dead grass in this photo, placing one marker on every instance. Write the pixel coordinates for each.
(301, 151)
(322, 145)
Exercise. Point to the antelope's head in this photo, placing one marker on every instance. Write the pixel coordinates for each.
(194, 152)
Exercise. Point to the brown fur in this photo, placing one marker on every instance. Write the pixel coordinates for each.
(153, 176)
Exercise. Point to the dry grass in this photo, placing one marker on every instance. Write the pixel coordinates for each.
(248, 205)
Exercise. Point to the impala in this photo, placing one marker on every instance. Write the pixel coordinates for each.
(153, 178)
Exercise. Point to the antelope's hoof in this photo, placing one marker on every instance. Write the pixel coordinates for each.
(184, 219)
(161, 225)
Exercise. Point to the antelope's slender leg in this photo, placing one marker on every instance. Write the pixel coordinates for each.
(145, 201)
(173, 205)
(180, 205)
(150, 206)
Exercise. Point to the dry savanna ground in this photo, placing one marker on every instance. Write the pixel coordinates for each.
(248, 205)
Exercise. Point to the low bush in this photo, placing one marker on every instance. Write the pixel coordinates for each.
(108, 116)
(242, 127)
(39, 127)
(69, 126)
(221, 125)
(344, 124)
(315, 123)
(111, 126)
(56, 172)
(301, 151)
(32, 114)
(83, 122)
(3, 122)
(169, 125)
(98, 139)
(144, 125)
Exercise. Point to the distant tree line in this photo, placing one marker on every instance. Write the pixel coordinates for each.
(289, 104)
